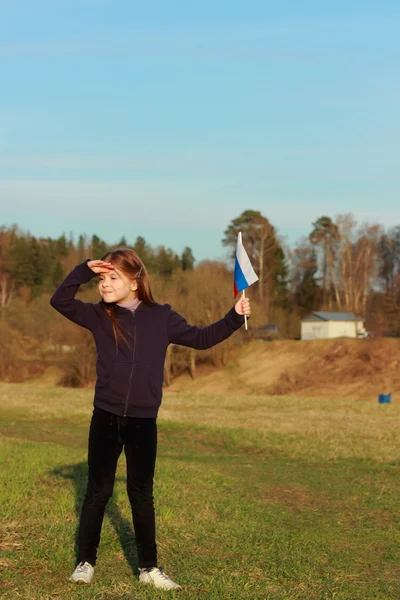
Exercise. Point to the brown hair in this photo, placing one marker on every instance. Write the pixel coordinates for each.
(129, 263)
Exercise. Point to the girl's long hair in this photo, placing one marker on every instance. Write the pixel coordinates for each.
(129, 263)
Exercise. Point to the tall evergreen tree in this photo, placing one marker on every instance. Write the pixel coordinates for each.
(145, 253)
(58, 274)
(307, 293)
(98, 247)
(62, 246)
(325, 238)
(82, 248)
(187, 259)
(166, 261)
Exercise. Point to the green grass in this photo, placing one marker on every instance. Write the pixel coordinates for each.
(256, 498)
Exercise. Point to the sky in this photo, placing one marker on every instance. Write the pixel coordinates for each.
(169, 118)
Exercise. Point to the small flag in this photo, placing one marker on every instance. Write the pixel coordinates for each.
(244, 272)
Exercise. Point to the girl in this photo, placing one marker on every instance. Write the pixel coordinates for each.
(132, 333)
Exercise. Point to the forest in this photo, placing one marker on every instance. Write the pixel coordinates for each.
(342, 265)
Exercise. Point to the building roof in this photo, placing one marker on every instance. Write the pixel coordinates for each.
(332, 316)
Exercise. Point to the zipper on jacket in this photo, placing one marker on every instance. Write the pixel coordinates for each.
(133, 312)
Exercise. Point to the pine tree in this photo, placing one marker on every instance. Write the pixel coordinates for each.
(187, 259)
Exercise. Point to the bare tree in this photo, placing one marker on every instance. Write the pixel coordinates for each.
(357, 262)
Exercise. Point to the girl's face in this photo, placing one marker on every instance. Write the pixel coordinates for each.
(114, 286)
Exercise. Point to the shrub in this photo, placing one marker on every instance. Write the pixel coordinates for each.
(79, 364)
(16, 351)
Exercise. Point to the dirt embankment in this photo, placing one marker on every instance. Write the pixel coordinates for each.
(338, 368)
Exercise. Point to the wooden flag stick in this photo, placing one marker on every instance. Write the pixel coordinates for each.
(245, 318)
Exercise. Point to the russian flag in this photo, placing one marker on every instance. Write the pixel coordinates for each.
(244, 273)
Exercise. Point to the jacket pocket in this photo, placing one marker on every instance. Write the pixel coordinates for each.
(117, 384)
(146, 387)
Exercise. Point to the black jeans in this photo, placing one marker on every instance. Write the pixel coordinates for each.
(107, 436)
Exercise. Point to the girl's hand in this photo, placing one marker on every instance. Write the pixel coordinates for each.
(243, 307)
(100, 266)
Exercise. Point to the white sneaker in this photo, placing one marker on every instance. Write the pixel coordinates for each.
(83, 573)
(158, 579)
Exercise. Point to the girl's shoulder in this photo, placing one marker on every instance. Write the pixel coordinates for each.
(163, 311)
(155, 313)
(159, 307)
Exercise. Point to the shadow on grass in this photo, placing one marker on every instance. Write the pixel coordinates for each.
(78, 473)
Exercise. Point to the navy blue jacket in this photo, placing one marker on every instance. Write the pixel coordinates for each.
(130, 376)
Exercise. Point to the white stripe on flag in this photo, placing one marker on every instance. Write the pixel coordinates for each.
(244, 262)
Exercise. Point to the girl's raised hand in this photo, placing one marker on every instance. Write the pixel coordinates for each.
(100, 266)
(243, 307)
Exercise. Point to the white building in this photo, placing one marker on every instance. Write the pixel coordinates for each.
(323, 325)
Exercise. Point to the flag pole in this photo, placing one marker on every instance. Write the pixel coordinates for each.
(245, 318)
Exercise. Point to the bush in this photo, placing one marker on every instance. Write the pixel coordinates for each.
(16, 351)
(80, 364)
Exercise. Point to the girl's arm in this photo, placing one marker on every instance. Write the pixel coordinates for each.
(63, 299)
(180, 332)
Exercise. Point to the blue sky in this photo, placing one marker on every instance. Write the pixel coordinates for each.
(167, 118)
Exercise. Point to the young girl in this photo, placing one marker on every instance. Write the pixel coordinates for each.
(132, 333)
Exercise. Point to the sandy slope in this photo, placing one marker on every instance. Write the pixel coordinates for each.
(339, 368)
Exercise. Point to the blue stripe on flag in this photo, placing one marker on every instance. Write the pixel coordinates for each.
(240, 279)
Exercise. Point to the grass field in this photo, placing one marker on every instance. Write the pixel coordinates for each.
(256, 497)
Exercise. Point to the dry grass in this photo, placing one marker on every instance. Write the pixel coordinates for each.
(341, 368)
(48, 402)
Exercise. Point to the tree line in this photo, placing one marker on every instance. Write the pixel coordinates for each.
(31, 266)
(341, 265)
